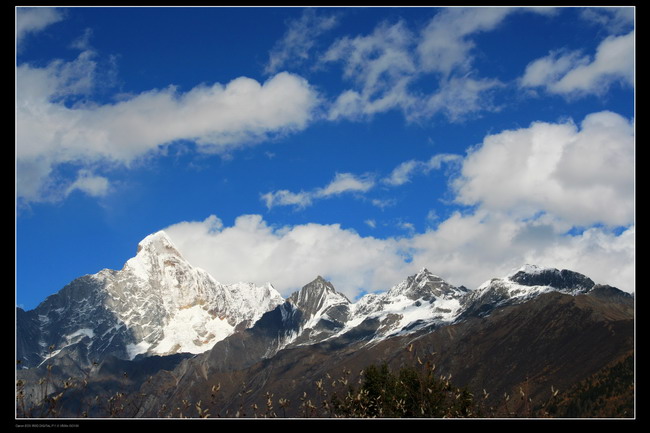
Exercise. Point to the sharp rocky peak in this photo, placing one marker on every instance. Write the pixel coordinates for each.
(316, 295)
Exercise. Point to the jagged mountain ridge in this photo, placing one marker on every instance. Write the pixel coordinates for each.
(159, 304)
(314, 320)
(552, 338)
(318, 313)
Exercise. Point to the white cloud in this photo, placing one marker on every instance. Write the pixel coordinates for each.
(289, 256)
(583, 176)
(342, 183)
(445, 45)
(574, 74)
(459, 97)
(404, 171)
(470, 249)
(55, 123)
(551, 68)
(387, 65)
(299, 39)
(346, 182)
(380, 65)
(383, 203)
(614, 19)
(531, 190)
(464, 249)
(284, 197)
(95, 186)
(32, 20)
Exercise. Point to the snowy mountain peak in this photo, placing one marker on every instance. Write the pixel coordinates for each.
(563, 280)
(425, 286)
(523, 284)
(529, 269)
(317, 295)
(158, 243)
(157, 304)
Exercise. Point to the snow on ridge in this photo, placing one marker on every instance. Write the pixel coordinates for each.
(531, 269)
(166, 305)
(169, 306)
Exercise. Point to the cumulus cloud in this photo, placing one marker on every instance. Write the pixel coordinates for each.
(583, 175)
(341, 184)
(59, 125)
(574, 74)
(288, 256)
(464, 249)
(56, 124)
(473, 248)
(553, 194)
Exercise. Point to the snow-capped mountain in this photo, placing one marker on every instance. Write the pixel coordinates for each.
(316, 331)
(523, 284)
(317, 312)
(157, 304)
(420, 301)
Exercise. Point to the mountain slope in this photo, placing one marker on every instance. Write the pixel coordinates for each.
(554, 339)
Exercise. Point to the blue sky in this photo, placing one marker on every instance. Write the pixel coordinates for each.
(360, 144)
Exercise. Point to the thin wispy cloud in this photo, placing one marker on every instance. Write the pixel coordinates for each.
(295, 47)
(343, 183)
(576, 74)
(348, 183)
(380, 65)
(446, 44)
(33, 20)
(385, 65)
(406, 170)
(615, 20)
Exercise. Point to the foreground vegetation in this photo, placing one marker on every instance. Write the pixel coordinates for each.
(415, 391)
